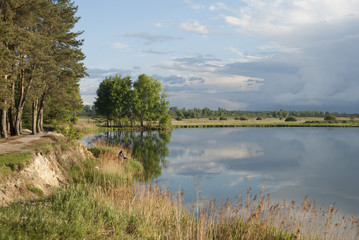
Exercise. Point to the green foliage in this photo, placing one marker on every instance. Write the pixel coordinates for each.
(330, 118)
(222, 118)
(259, 118)
(244, 118)
(35, 190)
(70, 131)
(40, 53)
(210, 113)
(291, 119)
(14, 161)
(121, 101)
(96, 151)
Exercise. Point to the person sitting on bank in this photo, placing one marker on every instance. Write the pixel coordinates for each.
(121, 155)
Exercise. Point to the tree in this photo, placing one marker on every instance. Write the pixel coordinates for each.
(148, 104)
(39, 52)
(121, 97)
(118, 98)
(103, 104)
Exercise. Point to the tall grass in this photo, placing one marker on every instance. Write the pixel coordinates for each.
(108, 203)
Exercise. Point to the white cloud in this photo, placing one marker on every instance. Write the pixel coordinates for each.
(194, 26)
(245, 57)
(218, 6)
(193, 5)
(262, 17)
(119, 45)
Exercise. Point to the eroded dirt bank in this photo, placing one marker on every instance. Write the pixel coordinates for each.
(47, 169)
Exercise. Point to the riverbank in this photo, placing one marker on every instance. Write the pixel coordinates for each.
(103, 199)
(268, 122)
(87, 125)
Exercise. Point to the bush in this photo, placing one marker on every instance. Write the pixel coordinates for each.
(179, 118)
(291, 119)
(259, 118)
(330, 118)
(244, 118)
(222, 118)
(212, 118)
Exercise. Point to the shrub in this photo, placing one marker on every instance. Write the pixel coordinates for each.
(259, 118)
(35, 190)
(330, 118)
(291, 119)
(179, 118)
(244, 118)
(222, 118)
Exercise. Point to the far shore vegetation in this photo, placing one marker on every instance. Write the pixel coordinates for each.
(207, 118)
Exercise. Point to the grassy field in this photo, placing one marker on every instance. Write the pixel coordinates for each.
(268, 122)
(108, 201)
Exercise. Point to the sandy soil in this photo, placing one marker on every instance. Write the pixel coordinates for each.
(20, 143)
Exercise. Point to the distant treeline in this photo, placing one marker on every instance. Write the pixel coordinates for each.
(40, 64)
(183, 113)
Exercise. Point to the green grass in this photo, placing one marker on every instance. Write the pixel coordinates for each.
(13, 162)
(69, 213)
(35, 190)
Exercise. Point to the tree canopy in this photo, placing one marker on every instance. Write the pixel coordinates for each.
(122, 101)
(40, 63)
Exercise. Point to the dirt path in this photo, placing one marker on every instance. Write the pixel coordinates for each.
(21, 143)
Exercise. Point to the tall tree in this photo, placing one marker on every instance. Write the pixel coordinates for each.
(103, 104)
(39, 53)
(121, 97)
(146, 101)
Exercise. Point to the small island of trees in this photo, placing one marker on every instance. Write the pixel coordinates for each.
(123, 102)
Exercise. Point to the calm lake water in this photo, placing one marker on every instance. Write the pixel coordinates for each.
(223, 162)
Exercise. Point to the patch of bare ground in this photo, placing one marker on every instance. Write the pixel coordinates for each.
(25, 142)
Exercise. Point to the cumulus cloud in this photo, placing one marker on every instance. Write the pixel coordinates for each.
(315, 51)
(194, 27)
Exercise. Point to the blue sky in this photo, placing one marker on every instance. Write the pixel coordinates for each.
(235, 54)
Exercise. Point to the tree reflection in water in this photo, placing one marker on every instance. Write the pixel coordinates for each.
(150, 148)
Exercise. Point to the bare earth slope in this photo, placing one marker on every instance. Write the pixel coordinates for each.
(45, 171)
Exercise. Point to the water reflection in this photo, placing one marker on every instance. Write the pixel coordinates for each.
(220, 163)
(148, 147)
(293, 162)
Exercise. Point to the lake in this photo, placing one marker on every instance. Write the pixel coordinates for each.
(220, 163)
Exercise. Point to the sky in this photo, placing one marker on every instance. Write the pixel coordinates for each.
(233, 54)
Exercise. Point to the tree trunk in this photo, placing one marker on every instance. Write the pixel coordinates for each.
(40, 116)
(35, 104)
(40, 121)
(11, 113)
(22, 100)
(4, 122)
